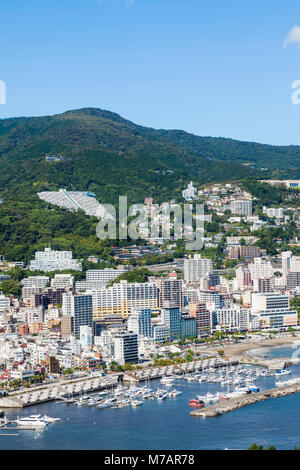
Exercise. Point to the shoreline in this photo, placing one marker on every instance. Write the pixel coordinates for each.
(242, 351)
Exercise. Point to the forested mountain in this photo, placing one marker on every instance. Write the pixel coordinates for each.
(106, 154)
(109, 156)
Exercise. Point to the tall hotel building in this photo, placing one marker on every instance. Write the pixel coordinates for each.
(122, 298)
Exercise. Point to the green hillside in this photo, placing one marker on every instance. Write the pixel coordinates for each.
(109, 156)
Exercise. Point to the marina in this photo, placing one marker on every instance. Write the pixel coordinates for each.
(121, 416)
(68, 390)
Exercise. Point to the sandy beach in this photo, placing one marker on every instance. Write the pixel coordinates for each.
(240, 349)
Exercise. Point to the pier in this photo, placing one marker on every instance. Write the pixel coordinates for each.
(68, 389)
(154, 373)
(59, 391)
(225, 406)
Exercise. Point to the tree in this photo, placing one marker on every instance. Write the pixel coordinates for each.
(68, 371)
(255, 447)
(11, 287)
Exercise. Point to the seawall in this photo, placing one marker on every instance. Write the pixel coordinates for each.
(225, 406)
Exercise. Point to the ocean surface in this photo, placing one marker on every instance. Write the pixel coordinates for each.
(167, 424)
(278, 351)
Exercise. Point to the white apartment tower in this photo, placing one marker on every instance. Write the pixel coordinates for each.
(241, 207)
(260, 269)
(197, 268)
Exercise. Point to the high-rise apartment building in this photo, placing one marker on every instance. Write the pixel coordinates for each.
(80, 307)
(197, 268)
(169, 289)
(261, 269)
(171, 317)
(139, 322)
(126, 348)
(241, 207)
(122, 298)
(202, 316)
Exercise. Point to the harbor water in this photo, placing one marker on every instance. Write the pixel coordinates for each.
(165, 424)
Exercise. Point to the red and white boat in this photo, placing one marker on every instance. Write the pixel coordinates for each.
(196, 403)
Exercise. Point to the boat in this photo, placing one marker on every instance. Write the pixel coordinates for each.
(242, 390)
(174, 393)
(196, 403)
(135, 403)
(4, 421)
(280, 372)
(161, 396)
(208, 398)
(167, 380)
(222, 396)
(31, 422)
(105, 404)
(189, 378)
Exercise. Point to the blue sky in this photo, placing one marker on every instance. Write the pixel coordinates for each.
(211, 67)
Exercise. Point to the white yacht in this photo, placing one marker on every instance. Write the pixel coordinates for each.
(161, 396)
(174, 393)
(279, 373)
(33, 422)
(135, 403)
(167, 380)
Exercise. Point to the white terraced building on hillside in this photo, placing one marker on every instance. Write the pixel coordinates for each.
(74, 201)
(50, 260)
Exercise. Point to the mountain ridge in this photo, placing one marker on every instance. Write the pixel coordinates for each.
(109, 156)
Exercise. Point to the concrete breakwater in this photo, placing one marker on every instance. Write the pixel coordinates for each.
(225, 406)
(58, 391)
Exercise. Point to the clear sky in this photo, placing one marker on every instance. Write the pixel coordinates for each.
(211, 67)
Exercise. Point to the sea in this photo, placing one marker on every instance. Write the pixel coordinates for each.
(166, 425)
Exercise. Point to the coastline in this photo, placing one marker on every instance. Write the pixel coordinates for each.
(242, 351)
